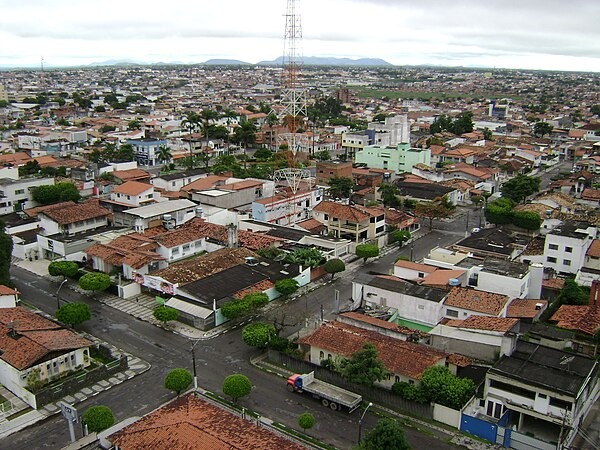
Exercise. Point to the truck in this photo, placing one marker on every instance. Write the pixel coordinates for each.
(330, 396)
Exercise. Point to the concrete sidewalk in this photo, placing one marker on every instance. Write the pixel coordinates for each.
(137, 366)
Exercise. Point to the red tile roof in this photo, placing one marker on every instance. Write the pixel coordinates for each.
(344, 212)
(192, 423)
(34, 338)
(400, 357)
(76, 213)
(478, 301)
(5, 290)
(525, 309)
(499, 324)
(582, 318)
(131, 174)
(132, 188)
(382, 324)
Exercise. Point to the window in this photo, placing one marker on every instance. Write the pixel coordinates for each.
(175, 251)
(186, 247)
(542, 395)
(396, 379)
(452, 313)
(19, 191)
(551, 259)
(569, 249)
(560, 403)
(421, 307)
(326, 216)
(514, 389)
(567, 262)
(321, 356)
(553, 247)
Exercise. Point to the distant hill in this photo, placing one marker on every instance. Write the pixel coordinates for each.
(324, 61)
(226, 62)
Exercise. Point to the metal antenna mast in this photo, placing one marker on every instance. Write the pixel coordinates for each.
(294, 111)
(294, 94)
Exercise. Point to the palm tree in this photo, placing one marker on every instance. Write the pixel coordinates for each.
(163, 154)
(190, 122)
(206, 115)
(271, 121)
(245, 133)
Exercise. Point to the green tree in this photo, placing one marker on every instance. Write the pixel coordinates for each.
(190, 123)
(134, 124)
(487, 134)
(366, 251)
(178, 380)
(363, 367)
(542, 128)
(463, 123)
(73, 313)
(164, 154)
(165, 313)
(236, 386)
(245, 134)
(323, 155)
(399, 236)
(387, 434)
(263, 154)
(572, 294)
(258, 334)
(306, 257)
(389, 195)
(520, 187)
(333, 266)
(98, 418)
(340, 187)
(235, 308)
(595, 109)
(441, 386)
(256, 299)
(271, 120)
(499, 211)
(306, 421)
(529, 220)
(286, 286)
(67, 269)
(95, 281)
(61, 192)
(6, 247)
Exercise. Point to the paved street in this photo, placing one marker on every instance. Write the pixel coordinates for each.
(216, 358)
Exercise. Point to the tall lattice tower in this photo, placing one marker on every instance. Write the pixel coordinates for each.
(294, 111)
(294, 93)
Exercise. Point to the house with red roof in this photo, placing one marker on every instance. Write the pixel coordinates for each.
(350, 221)
(478, 337)
(195, 422)
(33, 347)
(405, 361)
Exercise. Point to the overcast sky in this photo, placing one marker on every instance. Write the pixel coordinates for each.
(533, 34)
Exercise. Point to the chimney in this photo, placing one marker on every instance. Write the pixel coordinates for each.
(232, 236)
(536, 277)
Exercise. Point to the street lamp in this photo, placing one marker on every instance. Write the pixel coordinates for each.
(360, 421)
(194, 363)
(58, 292)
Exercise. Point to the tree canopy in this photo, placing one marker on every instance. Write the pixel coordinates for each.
(94, 281)
(387, 434)
(366, 251)
(236, 386)
(258, 334)
(333, 266)
(165, 313)
(441, 386)
(61, 192)
(306, 421)
(363, 367)
(462, 123)
(389, 195)
(286, 286)
(432, 210)
(399, 236)
(73, 313)
(67, 269)
(520, 187)
(178, 380)
(98, 418)
(340, 187)
(542, 128)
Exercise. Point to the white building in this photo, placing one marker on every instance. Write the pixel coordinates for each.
(170, 214)
(286, 209)
(565, 247)
(16, 195)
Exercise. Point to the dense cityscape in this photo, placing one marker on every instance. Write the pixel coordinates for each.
(288, 255)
